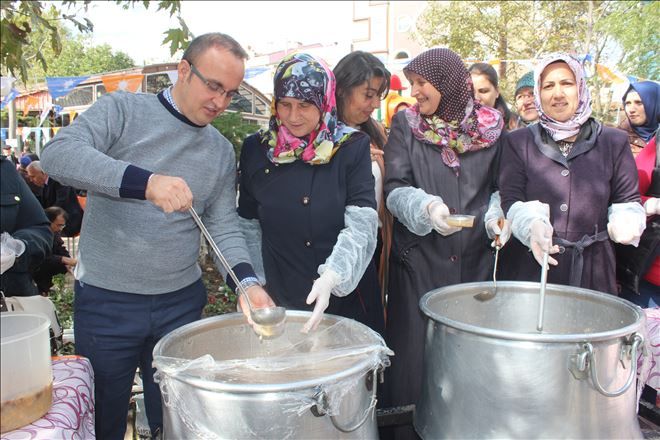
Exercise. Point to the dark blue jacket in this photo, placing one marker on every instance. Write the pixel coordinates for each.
(22, 216)
(300, 208)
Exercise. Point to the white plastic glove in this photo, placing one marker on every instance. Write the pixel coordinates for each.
(624, 232)
(652, 206)
(438, 213)
(493, 230)
(10, 249)
(626, 222)
(321, 290)
(540, 241)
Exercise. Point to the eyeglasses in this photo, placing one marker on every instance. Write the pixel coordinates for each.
(212, 85)
(60, 225)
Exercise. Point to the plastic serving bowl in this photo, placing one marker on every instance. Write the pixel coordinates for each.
(26, 376)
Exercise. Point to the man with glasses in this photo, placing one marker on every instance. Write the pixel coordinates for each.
(144, 161)
(60, 261)
(527, 113)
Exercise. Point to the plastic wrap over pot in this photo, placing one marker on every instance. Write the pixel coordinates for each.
(220, 380)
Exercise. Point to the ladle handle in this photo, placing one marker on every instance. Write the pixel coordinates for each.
(544, 281)
(221, 257)
(500, 224)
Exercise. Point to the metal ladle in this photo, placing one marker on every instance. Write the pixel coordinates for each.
(486, 295)
(544, 281)
(266, 317)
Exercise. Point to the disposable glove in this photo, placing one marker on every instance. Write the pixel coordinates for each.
(624, 228)
(540, 241)
(321, 290)
(493, 229)
(438, 213)
(10, 249)
(652, 206)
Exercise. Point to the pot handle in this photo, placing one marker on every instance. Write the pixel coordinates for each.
(587, 357)
(348, 429)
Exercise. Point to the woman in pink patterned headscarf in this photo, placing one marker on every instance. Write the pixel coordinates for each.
(307, 204)
(440, 159)
(568, 183)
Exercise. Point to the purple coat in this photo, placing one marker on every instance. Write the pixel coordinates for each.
(599, 171)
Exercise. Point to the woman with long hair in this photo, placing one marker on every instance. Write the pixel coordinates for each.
(362, 83)
(486, 90)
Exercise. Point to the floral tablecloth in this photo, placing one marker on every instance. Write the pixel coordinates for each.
(653, 334)
(72, 414)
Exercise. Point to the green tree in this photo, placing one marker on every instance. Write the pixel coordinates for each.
(78, 57)
(26, 24)
(504, 30)
(526, 30)
(633, 25)
(232, 126)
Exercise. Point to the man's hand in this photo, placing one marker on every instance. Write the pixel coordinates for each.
(259, 299)
(169, 193)
(68, 261)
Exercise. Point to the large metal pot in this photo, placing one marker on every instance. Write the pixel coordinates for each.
(490, 374)
(219, 380)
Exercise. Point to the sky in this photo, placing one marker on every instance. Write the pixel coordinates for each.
(263, 25)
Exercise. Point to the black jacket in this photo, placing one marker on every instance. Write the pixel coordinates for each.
(56, 194)
(23, 218)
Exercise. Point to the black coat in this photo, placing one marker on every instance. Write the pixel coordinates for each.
(54, 193)
(23, 218)
(419, 264)
(51, 266)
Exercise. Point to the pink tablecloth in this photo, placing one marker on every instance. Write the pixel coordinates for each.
(72, 414)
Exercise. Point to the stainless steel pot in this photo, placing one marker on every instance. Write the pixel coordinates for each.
(490, 374)
(219, 380)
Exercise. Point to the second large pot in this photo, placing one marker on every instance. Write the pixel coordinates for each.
(490, 374)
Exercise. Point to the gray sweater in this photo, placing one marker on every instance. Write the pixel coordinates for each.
(127, 244)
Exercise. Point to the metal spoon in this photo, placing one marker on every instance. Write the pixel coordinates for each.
(268, 317)
(486, 295)
(544, 280)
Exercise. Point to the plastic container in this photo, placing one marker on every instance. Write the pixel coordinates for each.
(460, 220)
(26, 376)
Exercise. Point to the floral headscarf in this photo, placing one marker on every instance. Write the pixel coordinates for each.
(563, 130)
(459, 124)
(304, 77)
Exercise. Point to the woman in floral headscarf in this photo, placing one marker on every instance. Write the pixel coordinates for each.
(439, 160)
(307, 201)
(569, 186)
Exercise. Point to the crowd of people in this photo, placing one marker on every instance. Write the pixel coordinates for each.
(63, 210)
(336, 214)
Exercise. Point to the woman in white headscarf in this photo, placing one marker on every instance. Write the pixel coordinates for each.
(568, 186)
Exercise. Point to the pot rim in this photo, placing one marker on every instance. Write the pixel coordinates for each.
(457, 289)
(358, 369)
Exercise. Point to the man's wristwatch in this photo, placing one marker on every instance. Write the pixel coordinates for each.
(249, 282)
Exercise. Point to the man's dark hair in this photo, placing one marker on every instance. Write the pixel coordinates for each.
(201, 44)
(55, 211)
